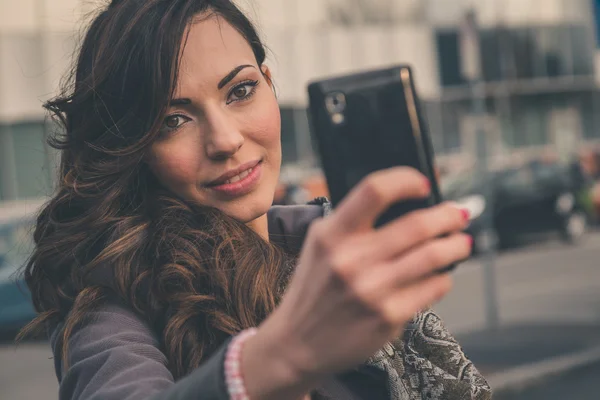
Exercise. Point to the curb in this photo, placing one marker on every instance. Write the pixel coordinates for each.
(526, 375)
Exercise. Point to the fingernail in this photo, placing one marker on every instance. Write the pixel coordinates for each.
(465, 214)
(427, 185)
(471, 241)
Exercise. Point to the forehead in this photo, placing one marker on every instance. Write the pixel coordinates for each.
(212, 49)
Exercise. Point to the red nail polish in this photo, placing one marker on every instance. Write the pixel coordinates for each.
(465, 214)
(427, 185)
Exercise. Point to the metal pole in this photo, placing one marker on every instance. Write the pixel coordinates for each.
(489, 255)
(508, 73)
(473, 71)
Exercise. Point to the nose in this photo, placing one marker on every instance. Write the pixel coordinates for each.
(223, 138)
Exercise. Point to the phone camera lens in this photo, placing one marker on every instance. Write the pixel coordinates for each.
(336, 103)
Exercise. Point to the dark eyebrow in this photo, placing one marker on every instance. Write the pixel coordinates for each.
(222, 83)
(179, 102)
(232, 75)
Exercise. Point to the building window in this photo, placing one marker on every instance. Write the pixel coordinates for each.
(26, 167)
(452, 113)
(432, 112)
(521, 50)
(297, 144)
(288, 139)
(520, 53)
(528, 123)
(443, 123)
(554, 45)
(588, 104)
(449, 58)
(582, 51)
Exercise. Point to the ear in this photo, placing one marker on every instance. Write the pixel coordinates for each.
(267, 74)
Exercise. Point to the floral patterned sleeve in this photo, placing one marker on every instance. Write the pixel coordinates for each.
(428, 363)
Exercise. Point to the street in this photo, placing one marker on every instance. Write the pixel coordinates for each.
(578, 385)
(549, 283)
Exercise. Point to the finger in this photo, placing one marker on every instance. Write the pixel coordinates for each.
(426, 260)
(418, 227)
(401, 306)
(418, 264)
(377, 193)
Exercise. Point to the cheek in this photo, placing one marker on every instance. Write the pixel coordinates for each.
(175, 166)
(265, 121)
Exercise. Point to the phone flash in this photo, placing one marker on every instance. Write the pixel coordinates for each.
(337, 119)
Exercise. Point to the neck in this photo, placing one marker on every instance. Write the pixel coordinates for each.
(260, 225)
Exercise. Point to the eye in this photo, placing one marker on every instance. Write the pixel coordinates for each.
(175, 121)
(172, 123)
(243, 91)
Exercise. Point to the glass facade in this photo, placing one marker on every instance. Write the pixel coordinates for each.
(27, 164)
(547, 59)
(540, 85)
(520, 53)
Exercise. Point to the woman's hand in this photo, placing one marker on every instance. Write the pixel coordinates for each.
(355, 287)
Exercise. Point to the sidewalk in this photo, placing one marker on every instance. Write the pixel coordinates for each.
(517, 357)
(578, 384)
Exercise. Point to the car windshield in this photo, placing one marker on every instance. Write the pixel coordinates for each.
(458, 185)
(516, 179)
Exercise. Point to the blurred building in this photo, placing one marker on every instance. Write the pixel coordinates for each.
(37, 39)
(538, 63)
(537, 55)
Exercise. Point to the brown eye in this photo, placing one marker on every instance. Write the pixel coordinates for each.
(240, 92)
(173, 121)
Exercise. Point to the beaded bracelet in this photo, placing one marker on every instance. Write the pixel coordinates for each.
(233, 366)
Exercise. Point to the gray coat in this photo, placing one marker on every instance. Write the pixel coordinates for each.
(116, 356)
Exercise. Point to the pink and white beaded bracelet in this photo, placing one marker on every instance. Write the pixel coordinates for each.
(233, 366)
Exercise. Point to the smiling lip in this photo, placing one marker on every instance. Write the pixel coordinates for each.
(239, 181)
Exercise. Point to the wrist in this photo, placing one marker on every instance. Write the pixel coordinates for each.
(269, 370)
(234, 378)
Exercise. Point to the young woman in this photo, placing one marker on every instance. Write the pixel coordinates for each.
(161, 269)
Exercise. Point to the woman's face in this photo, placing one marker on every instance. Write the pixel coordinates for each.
(220, 142)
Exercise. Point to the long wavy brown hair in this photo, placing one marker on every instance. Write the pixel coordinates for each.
(193, 274)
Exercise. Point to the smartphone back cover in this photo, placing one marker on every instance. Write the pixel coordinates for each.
(367, 122)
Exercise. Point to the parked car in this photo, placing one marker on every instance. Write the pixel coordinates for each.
(536, 198)
(16, 224)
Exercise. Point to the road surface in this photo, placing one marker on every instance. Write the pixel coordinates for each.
(578, 385)
(551, 282)
(27, 373)
(547, 283)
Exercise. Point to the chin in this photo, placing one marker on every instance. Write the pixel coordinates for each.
(248, 208)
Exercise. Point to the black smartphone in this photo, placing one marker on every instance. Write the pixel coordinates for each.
(370, 121)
